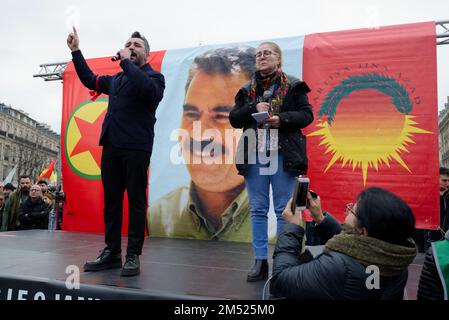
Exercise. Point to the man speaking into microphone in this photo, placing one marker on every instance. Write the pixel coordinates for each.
(127, 138)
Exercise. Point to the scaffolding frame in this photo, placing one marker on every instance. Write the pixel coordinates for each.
(54, 71)
(444, 35)
(51, 71)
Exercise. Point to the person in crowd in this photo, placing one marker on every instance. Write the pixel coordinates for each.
(48, 199)
(33, 212)
(11, 213)
(44, 187)
(369, 259)
(8, 189)
(2, 206)
(443, 227)
(434, 279)
(423, 237)
(278, 138)
(127, 138)
(214, 205)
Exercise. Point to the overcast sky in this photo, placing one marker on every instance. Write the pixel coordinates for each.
(34, 32)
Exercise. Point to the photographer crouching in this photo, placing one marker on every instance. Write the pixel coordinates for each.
(377, 232)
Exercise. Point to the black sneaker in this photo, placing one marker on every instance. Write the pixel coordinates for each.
(131, 266)
(106, 260)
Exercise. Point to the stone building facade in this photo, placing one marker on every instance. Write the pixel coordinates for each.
(26, 143)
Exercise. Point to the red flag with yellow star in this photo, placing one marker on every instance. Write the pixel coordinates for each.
(81, 156)
(374, 93)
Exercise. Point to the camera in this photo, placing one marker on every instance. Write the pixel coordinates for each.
(59, 196)
(300, 194)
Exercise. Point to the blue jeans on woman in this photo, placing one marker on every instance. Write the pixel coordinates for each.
(258, 187)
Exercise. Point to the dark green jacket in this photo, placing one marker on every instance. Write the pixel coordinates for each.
(434, 279)
(11, 213)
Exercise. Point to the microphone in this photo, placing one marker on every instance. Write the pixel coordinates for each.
(266, 97)
(116, 57)
(267, 94)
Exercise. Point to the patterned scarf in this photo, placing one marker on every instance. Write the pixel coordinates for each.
(278, 80)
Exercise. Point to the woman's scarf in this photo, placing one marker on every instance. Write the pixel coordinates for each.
(392, 259)
(277, 81)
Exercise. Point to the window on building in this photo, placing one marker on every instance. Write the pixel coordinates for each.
(7, 152)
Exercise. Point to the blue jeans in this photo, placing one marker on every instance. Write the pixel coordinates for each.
(258, 186)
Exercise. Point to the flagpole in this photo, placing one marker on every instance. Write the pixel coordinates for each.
(58, 169)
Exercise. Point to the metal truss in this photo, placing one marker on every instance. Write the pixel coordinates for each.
(443, 27)
(51, 71)
(54, 71)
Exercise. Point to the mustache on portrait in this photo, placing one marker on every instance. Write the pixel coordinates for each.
(198, 146)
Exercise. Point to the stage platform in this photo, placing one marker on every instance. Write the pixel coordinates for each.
(33, 265)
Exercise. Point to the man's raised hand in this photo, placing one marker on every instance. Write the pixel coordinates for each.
(73, 40)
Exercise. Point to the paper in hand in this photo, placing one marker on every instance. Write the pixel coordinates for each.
(261, 116)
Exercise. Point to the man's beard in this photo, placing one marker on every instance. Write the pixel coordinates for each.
(137, 60)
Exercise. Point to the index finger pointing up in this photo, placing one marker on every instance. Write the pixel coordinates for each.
(74, 30)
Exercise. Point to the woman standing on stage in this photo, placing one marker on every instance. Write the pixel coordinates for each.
(271, 152)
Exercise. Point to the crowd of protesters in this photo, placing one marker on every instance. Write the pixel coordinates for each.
(26, 207)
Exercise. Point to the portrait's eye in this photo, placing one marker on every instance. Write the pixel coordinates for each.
(192, 115)
(220, 113)
(222, 116)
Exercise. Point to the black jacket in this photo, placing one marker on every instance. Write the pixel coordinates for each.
(33, 215)
(424, 238)
(444, 212)
(134, 95)
(296, 113)
(1, 214)
(331, 275)
(430, 286)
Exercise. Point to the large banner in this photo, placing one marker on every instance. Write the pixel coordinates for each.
(376, 124)
(375, 105)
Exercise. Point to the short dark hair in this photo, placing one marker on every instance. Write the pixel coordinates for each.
(385, 216)
(224, 61)
(24, 176)
(42, 181)
(444, 171)
(137, 34)
(9, 186)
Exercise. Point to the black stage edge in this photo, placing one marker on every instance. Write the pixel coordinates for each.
(33, 266)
